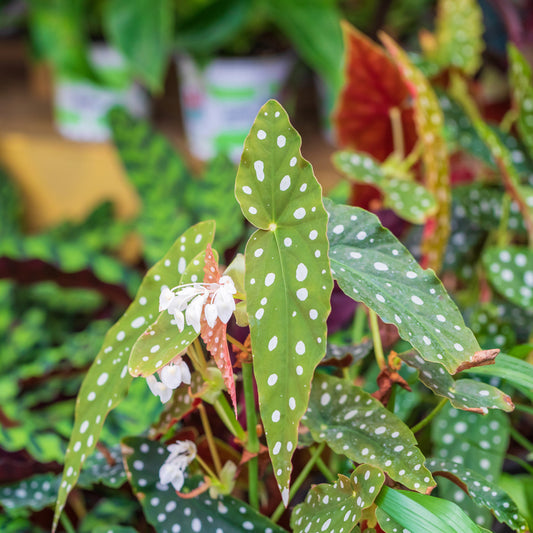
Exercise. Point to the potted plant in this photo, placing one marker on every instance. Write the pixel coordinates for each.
(251, 41)
(91, 77)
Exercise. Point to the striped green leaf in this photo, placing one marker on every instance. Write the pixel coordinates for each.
(338, 507)
(373, 267)
(108, 379)
(355, 424)
(288, 280)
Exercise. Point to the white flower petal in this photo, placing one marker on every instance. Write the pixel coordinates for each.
(185, 372)
(152, 384)
(225, 304)
(164, 392)
(211, 314)
(165, 298)
(178, 480)
(193, 312)
(180, 320)
(171, 376)
(228, 284)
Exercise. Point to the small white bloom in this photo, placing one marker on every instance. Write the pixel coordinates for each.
(193, 313)
(181, 455)
(171, 473)
(159, 389)
(224, 303)
(179, 317)
(211, 314)
(165, 298)
(185, 372)
(171, 376)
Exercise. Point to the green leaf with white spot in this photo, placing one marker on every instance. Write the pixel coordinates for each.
(288, 280)
(521, 79)
(338, 507)
(478, 443)
(165, 510)
(419, 513)
(36, 493)
(510, 272)
(372, 266)
(403, 195)
(466, 394)
(355, 424)
(482, 492)
(101, 469)
(458, 39)
(108, 379)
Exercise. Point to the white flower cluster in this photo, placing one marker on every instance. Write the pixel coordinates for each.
(214, 299)
(181, 455)
(172, 376)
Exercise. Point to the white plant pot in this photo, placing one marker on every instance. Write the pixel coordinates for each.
(221, 100)
(80, 106)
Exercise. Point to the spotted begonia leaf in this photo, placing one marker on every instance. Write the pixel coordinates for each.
(491, 329)
(483, 492)
(337, 355)
(522, 92)
(483, 205)
(107, 381)
(407, 198)
(477, 442)
(466, 394)
(288, 279)
(182, 402)
(162, 341)
(215, 337)
(429, 120)
(510, 271)
(36, 492)
(458, 40)
(373, 267)
(338, 507)
(101, 469)
(355, 424)
(167, 512)
(373, 87)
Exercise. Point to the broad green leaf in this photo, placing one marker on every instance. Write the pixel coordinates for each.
(166, 511)
(429, 120)
(288, 280)
(355, 424)
(482, 491)
(458, 39)
(108, 379)
(522, 93)
(142, 31)
(36, 492)
(490, 328)
(425, 514)
(464, 394)
(406, 197)
(373, 267)
(301, 21)
(346, 355)
(510, 271)
(512, 369)
(338, 507)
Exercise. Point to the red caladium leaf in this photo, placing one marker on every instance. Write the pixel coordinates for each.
(215, 337)
(373, 87)
(428, 119)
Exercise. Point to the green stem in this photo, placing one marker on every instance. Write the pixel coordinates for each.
(300, 479)
(227, 415)
(66, 523)
(210, 439)
(502, 235)
(376, 339)
(252, 444)
(392, 398)
(520, 439)
(358, 328)
(326, 472)
(425, 421)
(397, 132)
(234, 341)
